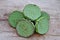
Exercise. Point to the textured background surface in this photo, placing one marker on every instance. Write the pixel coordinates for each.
(50, 6)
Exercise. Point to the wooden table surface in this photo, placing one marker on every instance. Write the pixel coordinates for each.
(50, 6)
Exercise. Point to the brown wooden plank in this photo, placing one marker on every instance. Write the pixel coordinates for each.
(53, 14)
(54, 27)
(51, 37)
(4, 26)
(50, 6)
(8, 34)
(14, 36)
(7, 6)
(19, 38)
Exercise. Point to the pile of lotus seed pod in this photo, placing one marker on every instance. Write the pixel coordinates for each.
(29, 21)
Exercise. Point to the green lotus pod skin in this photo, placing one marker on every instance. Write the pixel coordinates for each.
(25, 28)
(32, 11)
(43, 15)
(42, 24)
(14, 17)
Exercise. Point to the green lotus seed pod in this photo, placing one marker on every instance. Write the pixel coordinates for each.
(43, 15)
(32, 11)
(42, 26)
(14, 17)
(25, 28)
